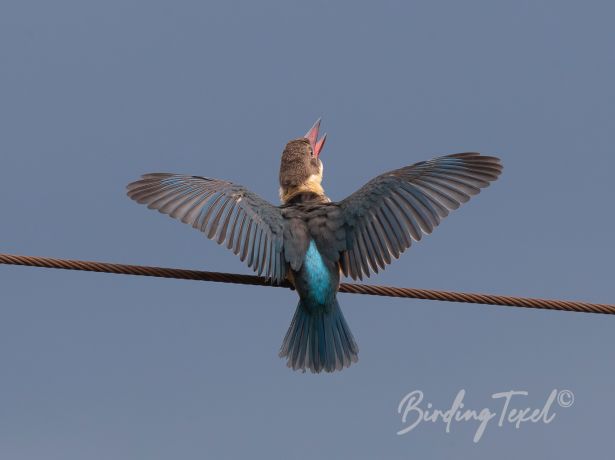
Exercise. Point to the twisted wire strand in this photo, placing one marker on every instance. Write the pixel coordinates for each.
(349, 288)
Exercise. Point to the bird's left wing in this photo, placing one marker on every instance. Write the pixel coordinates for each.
(225, 212)
(383, 217)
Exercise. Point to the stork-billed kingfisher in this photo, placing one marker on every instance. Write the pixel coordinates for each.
(311, 240)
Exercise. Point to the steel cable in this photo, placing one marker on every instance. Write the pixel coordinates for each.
(350, 288)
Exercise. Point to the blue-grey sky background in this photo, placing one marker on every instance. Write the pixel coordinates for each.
(93, 94)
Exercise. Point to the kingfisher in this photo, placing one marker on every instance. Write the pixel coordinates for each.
(311, 240)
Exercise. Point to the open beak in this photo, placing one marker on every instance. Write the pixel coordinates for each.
(312, 136)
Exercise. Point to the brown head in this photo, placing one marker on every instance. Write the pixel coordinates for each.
(301, 169)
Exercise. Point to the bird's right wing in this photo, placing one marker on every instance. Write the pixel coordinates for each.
(227, 213)
(383, 217)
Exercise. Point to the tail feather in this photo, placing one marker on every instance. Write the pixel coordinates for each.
(319, 340)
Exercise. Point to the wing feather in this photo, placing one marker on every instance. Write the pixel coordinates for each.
(225, 212)
(383, 217)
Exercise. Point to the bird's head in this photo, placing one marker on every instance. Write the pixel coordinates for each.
(301, 169)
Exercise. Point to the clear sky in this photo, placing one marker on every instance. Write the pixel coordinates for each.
(93, 94)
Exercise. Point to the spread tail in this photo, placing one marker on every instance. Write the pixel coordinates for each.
(319, 339)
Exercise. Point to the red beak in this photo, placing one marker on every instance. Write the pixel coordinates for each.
(312, 136)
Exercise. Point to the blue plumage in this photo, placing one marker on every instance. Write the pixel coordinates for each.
(319, 279)
(319, 337)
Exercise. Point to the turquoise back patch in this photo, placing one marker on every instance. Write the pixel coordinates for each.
(319, 279)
